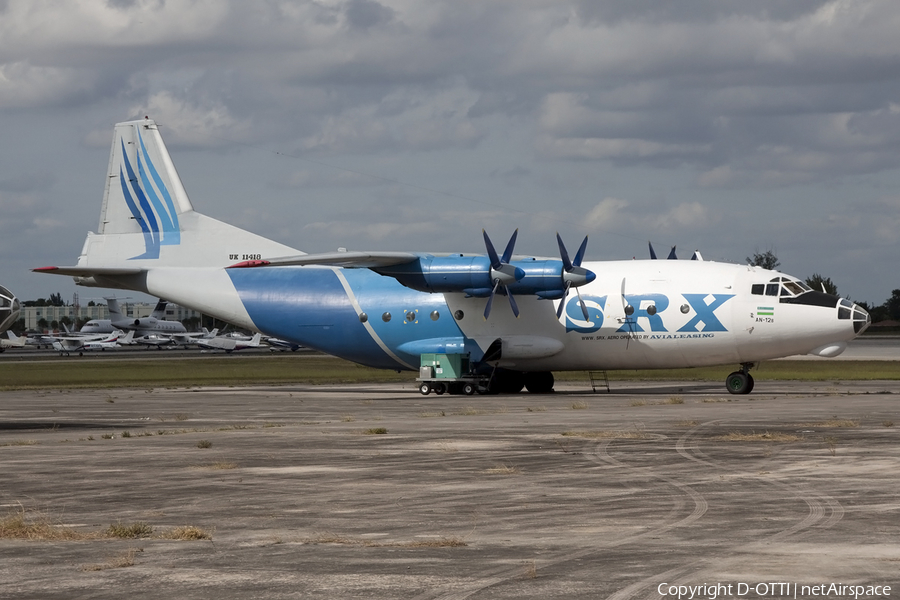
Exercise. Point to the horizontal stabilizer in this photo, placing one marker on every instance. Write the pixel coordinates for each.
(349, 260)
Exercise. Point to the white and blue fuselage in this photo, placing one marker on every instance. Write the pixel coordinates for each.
(386, 309)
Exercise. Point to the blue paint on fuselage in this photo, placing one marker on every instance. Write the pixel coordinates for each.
(309, 306)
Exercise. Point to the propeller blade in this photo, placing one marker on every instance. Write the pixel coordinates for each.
(562, 303)
(579, 256)
(563, 254)
(512, 304)
(492, 254)
(584, 310)
(672, 254)
(507, 254)
(652, 253)
(487, 307)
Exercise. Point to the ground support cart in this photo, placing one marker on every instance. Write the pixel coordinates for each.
(440, 373)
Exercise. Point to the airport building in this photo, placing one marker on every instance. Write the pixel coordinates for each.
(33, 315)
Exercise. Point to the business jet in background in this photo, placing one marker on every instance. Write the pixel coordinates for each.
(387, 309)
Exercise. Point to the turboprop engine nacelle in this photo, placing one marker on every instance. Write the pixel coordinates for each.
(472, 275)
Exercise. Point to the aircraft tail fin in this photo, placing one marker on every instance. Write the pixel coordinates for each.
(115, 314)
(159, 312)
(148, 221)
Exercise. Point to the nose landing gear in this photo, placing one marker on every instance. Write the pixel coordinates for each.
(740, 382)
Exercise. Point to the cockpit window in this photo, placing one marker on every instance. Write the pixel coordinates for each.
(793, 288)
(780, 286)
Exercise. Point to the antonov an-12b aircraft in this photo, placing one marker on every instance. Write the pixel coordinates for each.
(387, 309)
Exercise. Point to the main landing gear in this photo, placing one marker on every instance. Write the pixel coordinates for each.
(740, 382)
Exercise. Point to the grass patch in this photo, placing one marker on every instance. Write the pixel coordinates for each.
(765, 436)
(204, 444)
(375, 431)
(126, 559)
(132, 531)
(775, 370)
(187, 533)
(34, 526)
(19, 443)
(316, 369)
(579, 405)
(301, 368)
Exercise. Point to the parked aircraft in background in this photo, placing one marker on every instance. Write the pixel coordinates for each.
(12, 341)
(67, 345)
(155, 323)
(229, 344)
(282, 345)
(189, 339)
(391, 309)
(156, 340)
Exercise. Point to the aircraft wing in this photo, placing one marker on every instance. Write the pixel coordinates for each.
(89, 271)
(349, 260)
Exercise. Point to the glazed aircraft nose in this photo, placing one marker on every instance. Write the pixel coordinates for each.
(848, 311)
(861, 319)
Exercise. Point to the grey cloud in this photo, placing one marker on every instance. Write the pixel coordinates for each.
(364, 14)
(581, 100)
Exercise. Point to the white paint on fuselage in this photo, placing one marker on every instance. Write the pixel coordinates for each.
(793, 329)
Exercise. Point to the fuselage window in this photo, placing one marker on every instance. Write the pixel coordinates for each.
(772, 289)
(757, 289)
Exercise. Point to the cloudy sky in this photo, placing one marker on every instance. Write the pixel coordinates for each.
(727, 126)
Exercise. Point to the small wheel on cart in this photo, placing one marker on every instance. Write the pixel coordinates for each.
(440, 388)
(425, 389)
(468, 389)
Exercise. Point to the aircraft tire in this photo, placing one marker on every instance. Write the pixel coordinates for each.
(739, 383)
(468, 389)
(539, 382)
(506, 382)
(425, 389)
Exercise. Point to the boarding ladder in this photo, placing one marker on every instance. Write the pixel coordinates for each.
(598, 380)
